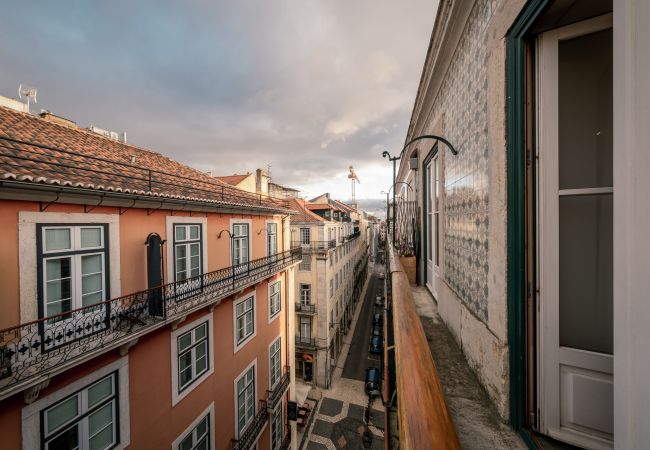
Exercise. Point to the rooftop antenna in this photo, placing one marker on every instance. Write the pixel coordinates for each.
(27, 92)
(353, 178)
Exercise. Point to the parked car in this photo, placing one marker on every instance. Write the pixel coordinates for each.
(379, 301)
(377, 319)
(376, 345)
(377, 331)
(373, 380)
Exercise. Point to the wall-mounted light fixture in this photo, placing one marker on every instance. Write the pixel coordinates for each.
(227, 231)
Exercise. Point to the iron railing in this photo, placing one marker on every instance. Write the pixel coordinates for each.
(275, 395)
(52, 343)
(305, 342)
(286, 441)
(249, 437)
(314, 246)
(77, 166)
(305, 308)
(407, 229)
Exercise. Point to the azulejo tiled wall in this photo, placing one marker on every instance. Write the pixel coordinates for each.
(463, 101)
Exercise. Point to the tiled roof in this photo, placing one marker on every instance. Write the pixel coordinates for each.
(317, 206)
(344, 206)
(304, 214)
(35, 150)
(233, 179)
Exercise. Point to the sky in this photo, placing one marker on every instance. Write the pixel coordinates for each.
(305, 87)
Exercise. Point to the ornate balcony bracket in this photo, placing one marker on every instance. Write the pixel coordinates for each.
(31, 394)
(176, 322)
(124, 348)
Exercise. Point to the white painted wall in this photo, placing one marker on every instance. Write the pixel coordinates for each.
(631, 224)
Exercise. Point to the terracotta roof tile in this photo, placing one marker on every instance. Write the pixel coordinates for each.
(35, 150)
(233, 179)
(304, 214)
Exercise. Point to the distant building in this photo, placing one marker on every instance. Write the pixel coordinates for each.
(328, 284)
(259, 183)
(144, 304)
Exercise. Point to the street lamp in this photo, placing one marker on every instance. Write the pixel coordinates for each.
(394, 159)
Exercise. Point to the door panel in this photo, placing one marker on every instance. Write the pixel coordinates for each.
(575, 211)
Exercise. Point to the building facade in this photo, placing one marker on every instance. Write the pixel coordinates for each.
(328, 284)
(531, 230)
(145, 304)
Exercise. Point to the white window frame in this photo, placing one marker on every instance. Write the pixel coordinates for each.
(169, 226)
(31, 413)
(304, 234)
(275, 341)
(278, 413)
(269, 251)
(306, 260)
(247, 339)
(253, 365)
(308, 290)
(190, 429)
(234, 222)
(275, 314)
(177, 394)
(188, 243)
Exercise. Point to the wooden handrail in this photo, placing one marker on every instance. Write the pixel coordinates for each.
(424, 420)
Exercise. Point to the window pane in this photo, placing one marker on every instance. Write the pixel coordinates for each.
(184, 341)
(100, 391)
(180, 233)
(186, 444)
(91, 264)
(57, 239)
(62, 413)
(201, 331)
(98, 420)
(58, 307)
(586, 272)
(181, 251)
(58, 290)
(67, 440)
(585, 70)
(194, 232)
(194, 249)
(202, 428)
(91, 237)
(102, 440)
(57, 268)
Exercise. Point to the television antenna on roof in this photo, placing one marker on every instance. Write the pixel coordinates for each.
(28, 92)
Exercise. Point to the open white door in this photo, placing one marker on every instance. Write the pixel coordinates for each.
(575, 233)
(432, 193)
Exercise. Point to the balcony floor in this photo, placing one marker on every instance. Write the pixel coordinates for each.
(477, 422)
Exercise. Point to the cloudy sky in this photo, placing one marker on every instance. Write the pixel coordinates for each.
(308, 87)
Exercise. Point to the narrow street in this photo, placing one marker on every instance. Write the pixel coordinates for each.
(338, 423)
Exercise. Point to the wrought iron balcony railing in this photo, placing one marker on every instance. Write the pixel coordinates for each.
(31, 351)
(314, 246)
(305, 308)
(275, 395)
(305, 342)
(249, 437)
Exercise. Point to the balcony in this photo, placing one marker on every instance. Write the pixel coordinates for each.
(32, 352)
(286, 441)
(275, 395)
(305, 342)
(303, 308)
(410, 373)
(314, 246)
(249, 437)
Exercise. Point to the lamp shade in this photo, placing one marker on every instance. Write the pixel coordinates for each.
(413, 163)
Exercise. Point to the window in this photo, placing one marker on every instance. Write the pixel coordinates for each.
(305, 329)
(305, 236)
(275, 362)
(244, 320)
(331, 260)
(187, 251)
(271, 238)
(275, 299)
(239, 243)
(85, 419)
(73, 268)
(305, 265)
(192, 350)
(192, 356)
(336, 281)
(276, 427)
(436, 206)
(197, 437)
(245, 392)
(305, 294)
(331, 287)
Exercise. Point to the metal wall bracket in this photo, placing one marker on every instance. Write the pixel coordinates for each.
(87, 209)
(123, 210)
(42, 207)
(151, 211)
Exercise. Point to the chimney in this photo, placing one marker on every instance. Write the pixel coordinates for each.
(47, 115)
(261, 182)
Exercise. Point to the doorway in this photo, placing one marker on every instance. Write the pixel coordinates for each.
(432, 219)
(575, 197)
